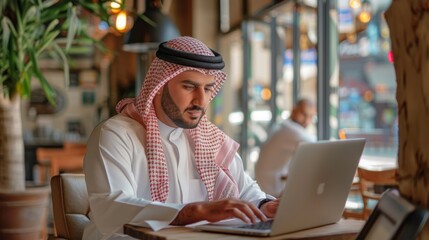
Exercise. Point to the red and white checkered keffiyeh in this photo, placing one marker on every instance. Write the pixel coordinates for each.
(214, 150)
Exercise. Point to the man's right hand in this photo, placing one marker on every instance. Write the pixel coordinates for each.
(218, 210)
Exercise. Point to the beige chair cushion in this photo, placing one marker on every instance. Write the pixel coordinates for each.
(70, 205)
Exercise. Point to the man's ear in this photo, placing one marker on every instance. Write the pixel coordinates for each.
(157, 96)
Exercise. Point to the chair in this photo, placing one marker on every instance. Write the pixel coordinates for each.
(70, 205)
(53, 161)
(354, 204)
(372, 184)
(394, 218)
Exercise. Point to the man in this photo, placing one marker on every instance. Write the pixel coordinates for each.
(271, 169)
(160, 161)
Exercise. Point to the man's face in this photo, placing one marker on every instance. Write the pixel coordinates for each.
(184, 99)
(306, 115)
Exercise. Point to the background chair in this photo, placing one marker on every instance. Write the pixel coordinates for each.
(53, 161)
(372, 183)
(394, 218)
(354, 205)
(70, 205)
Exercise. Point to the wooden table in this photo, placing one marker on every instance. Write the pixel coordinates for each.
(378, 163)
(191, 234)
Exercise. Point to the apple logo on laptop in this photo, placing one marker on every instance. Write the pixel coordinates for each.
(321, 188)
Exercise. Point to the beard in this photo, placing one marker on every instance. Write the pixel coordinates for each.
(173, 112)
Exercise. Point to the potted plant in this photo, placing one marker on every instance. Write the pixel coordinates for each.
(30, 28)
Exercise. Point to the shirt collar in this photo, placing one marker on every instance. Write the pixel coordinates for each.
(168, 132)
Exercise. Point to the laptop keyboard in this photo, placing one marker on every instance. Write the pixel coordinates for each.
(259, 225)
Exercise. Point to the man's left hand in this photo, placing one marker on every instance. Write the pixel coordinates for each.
(270, 208)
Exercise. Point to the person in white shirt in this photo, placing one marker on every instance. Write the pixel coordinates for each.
(160, 161)
(272, 166)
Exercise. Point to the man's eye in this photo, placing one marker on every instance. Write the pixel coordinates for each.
(208, 89)
(188, 87)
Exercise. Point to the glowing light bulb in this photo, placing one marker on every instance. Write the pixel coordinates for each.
(355, 4)
(364, 17)
(121, 21)
(115, 6)
(366, 13)
(266, 94)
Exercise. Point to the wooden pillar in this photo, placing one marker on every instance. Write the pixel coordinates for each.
(408, 22)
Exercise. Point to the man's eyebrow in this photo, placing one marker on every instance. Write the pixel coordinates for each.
(187, 81)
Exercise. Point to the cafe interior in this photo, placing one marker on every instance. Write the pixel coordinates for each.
(336, 53)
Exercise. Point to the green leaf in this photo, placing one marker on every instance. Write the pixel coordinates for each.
(10, 26)
(25, 84)
(47, 41)
(31, 29)
(51, 26)
(5, 33)
(91, 7)
(56, 11)
(3, 5)
(66, 67)
(49, 3)
(3, 68)
(47, 88)
(30, 15)
(73, 27)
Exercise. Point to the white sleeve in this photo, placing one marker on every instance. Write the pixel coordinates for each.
(249, 189)
(110, 170)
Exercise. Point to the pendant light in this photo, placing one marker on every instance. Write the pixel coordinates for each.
(150, 30)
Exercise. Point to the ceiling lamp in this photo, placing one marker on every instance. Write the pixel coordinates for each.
(115, 6)
(365, 14)
(150, 29)
(123, 21)
(355, 4)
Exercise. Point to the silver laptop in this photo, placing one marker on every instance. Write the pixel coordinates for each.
(316, 190)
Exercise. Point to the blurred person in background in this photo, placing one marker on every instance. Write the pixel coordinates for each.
(272, 166)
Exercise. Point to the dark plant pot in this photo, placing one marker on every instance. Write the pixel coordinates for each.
(23, 214)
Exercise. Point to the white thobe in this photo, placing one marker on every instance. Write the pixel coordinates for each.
(273, 161)
(116, 173)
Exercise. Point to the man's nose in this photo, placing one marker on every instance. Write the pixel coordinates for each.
(200, 97)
